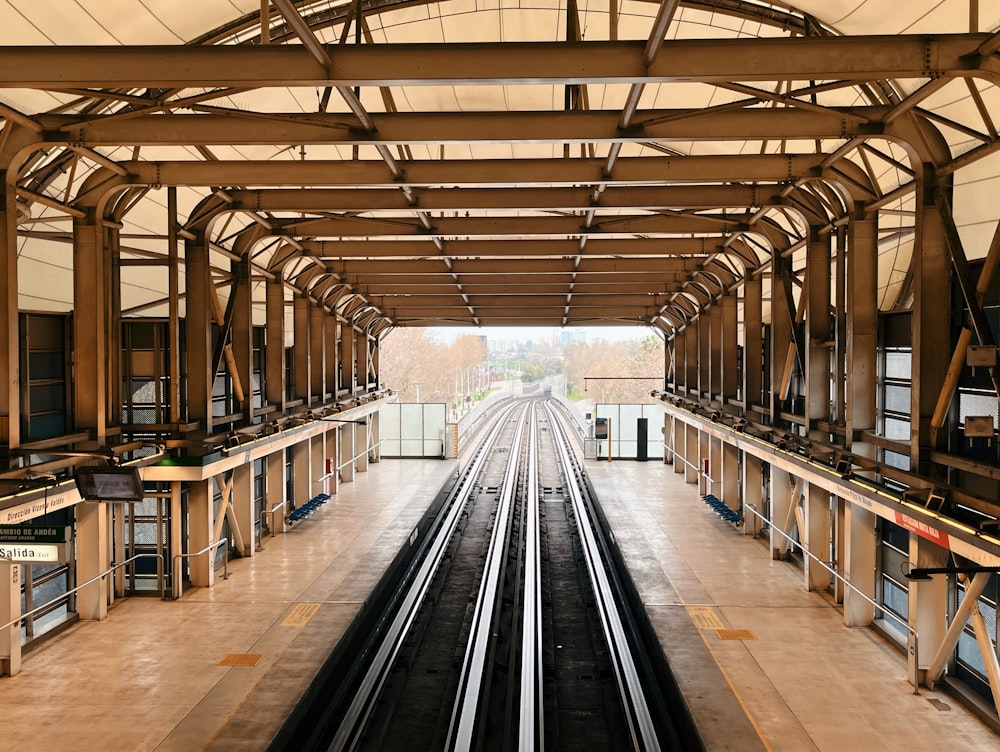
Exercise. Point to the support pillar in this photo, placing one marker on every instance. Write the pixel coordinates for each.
(691, 452)
(781, 508)
(242, 332)
(92, 558)
(242, 506)
(10, 380)
(198, 331)
(317, 344)
(362, 437)
(930, 321)
(348, 360)
(91, 328)
(753, 362)
(928, 605)
(730, 475)
(276, 482)
(859, 564)
(859, 542)
(274, 382)
(10, 608)
(301, 350)
(753, 487)
(201, 530)
(303, 473)
(716, 360)
(816, 537)
(347, 434)
(331, 361)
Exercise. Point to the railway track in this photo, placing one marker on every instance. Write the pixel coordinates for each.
(511, 625)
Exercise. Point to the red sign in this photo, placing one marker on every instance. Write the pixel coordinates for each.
(922, 529)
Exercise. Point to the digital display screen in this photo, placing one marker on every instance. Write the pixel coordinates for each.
(109, 483)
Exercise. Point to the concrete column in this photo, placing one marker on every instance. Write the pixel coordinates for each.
(715, 469)
(360, 359)
(361, 438)
(375, 432)
(781, 505)
(301, 350)
(859, 564)
(928, 603)
(862, 334)
(691, 353)
(818, 358)
(347, 434)
(680, 361)
(198, 331)
(730, 475)
(931, 320)
(703, 364)
(91, 327)
(10, 608)
(10, 397)
(730, 333)
(242, 333)
(348, 359)
(317, 344)
(242, 506)
(92, 558)
(816, 537)
(303, 473)
(781, 328)
(201, 531)
(716, 361)
(691, 453)
(276, 491)
(678, 439)
(274, 382)
(753, 365)
(331, 362)
(753, 479)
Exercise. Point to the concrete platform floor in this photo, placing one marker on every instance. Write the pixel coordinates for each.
(149, 677)
(806, 681)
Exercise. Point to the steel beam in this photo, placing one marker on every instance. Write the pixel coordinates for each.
(470, 227)
(850, 58)
(239, 128)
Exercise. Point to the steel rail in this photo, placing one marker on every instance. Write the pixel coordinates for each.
(531, 719)
(461, 731)
(640, 721)
(353, 723)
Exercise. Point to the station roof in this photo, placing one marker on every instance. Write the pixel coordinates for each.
(492, 162)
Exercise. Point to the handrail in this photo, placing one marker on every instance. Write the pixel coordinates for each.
(835, 573)
(345, 463)
(105, 573)
(179, 581)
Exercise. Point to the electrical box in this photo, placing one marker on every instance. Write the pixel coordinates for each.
(979, 426)
(981, 356)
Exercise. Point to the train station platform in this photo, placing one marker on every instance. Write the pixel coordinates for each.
(221, 668)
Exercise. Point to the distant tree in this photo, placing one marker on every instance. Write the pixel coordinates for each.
(422, 369)
(597, 361)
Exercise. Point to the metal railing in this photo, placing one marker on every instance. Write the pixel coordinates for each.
(105, 573)
(915, 648)
(179, 581)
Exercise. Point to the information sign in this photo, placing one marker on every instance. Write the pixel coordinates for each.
(33, 533)
(33, 553)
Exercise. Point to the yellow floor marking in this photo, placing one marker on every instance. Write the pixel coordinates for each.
(300, 615)
(735, 634)
(705, 617)
(241, 659)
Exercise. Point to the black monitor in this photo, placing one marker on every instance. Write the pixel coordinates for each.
(109, 484)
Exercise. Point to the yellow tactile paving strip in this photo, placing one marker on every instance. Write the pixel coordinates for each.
(241, 659)
(300, 615)
(705, 617)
